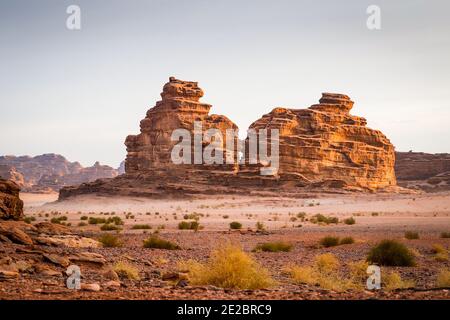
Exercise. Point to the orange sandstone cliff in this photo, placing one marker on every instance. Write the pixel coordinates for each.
(320, 147)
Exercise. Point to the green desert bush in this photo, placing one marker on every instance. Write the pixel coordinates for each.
(329, 241)
(94, 220)
(320, 218)
(347, 240)
(278, 246)
(155, 242)
(411, 235)
(109, 240)
(229, 267)
(115, 220)
(350, 221)
(141, 227)
(391, 253)
(58, 220)
(445, 235)
(29, 219)
(109, 227)
(235, 225)
(189, 225)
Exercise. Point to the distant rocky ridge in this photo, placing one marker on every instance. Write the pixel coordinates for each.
(320, 147)
(50, 172)
(425, 171)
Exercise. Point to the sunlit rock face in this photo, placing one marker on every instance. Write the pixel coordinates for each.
(326, 145)
(323, 146)
(179, 108)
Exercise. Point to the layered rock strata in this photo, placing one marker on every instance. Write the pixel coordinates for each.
(11, 207)
(322, 146)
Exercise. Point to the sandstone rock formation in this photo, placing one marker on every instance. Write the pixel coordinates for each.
(425, 171)
(11, 207)
(180, 107)
(325, 145)
(322, 146)
(50, 172)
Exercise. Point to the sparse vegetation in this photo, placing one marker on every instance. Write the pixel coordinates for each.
(109, 227)
(59, 220)
(324, 272)
(189, 225)
(260, 226)
(391, 253)
(84, 218)
(441, 254)
(225, 216)
(141, 227)
(347, 240)
(321, 219)
(155, 242)
(350, 221)
(235, 225)
(443, 279)
(329, 241)
(445, 235)
(109, 240)
(393, 281)
(82, 224)
(94, 220)
(229, 267)
(411, 235)
(277, 246)
(29, 219)
(126, 271)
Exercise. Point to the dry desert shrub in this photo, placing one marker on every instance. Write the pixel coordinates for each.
(141, 227)
(411, 235)
(445, 235)
(443, 279)
(350, 221)
(155, 242)
(393, 281)
(277, 246)
(441, 254)
(329, 241)
(325, 273)
(228, 267)
(126, 271)
(109, 240)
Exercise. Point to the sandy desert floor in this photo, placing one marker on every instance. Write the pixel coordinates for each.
(377, 216)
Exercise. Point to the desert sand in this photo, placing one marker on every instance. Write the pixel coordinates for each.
(377, 216)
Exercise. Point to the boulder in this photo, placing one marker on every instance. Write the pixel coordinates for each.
(11, 207)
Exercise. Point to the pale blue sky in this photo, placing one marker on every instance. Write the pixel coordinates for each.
(80, 93)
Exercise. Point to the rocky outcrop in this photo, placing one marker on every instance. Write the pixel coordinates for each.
(11, 207)
(50, 172)
(180, 107)
(325, 145)
(425, 171)
(10, 173)
(322, 146)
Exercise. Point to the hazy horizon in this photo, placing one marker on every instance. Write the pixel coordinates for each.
(80, 93)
